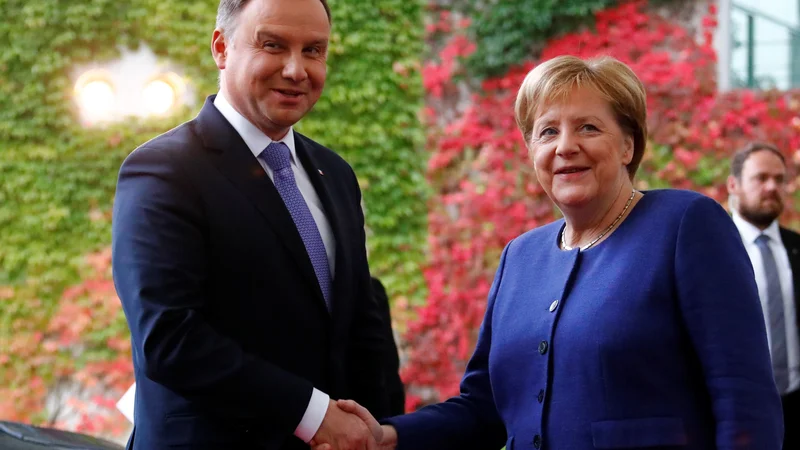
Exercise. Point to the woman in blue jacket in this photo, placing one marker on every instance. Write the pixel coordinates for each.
(632, 323)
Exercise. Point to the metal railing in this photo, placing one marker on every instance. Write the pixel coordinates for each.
(764, 33)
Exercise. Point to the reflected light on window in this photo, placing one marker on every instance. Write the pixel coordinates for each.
(136, 85)
(159, 97)
(96, 98)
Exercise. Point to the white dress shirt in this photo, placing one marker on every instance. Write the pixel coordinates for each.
(257, 141)
(749, 233)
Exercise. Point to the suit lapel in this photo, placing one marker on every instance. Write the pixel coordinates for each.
(793, 250)
(321, 176)
(233, 158)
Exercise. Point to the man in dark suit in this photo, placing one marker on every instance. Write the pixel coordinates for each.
(757, 186)
(239, 257)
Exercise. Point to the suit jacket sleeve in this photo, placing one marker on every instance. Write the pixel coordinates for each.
(367, 341)
(719, 302)
(470, 420)
(160, 265)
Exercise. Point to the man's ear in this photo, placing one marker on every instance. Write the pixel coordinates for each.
(732, 184)
(219, 48)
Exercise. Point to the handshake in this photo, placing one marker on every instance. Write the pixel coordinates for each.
(349, 426)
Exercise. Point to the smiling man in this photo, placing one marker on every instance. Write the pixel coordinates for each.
(239, 256)
(757, 185)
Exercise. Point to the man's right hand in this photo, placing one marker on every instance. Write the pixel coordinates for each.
(385, 435)
(342, 430)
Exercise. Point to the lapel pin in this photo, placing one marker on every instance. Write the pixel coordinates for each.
(320, 172)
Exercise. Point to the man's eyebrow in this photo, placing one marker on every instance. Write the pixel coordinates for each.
(263, 35)
(266, 35)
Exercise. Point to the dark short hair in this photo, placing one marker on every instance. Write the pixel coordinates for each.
(228, 10)
(740, 157)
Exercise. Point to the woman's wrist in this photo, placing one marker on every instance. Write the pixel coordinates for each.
(389, 440)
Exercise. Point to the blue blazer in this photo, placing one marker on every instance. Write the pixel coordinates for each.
(652, 339)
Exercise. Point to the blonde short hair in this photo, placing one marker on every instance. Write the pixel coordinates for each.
(555, 79)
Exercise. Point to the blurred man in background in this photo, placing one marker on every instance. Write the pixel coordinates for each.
(394, 384)
(757, 186)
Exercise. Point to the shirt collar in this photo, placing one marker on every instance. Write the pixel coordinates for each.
(255, 139)
(750, 232)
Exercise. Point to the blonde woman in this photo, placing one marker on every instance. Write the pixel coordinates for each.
(633, 322)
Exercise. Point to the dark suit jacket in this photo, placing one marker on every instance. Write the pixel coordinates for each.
(229, 328)
(791, 241)
(394, 385)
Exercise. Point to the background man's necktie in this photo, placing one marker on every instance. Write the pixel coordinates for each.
(278, 158)
(775, 316)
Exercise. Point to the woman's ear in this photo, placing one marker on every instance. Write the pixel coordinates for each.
(627, 155)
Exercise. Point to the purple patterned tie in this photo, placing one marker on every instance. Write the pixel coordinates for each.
(278, 158)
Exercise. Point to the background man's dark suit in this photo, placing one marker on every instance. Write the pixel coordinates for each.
(791, 401)
(229, 326)
(394, 384)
